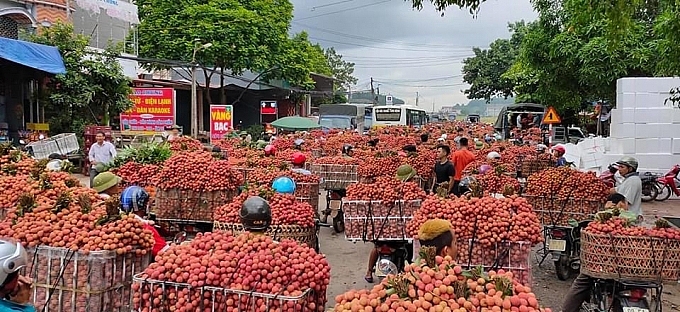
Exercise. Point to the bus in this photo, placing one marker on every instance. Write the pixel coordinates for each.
(399, 116)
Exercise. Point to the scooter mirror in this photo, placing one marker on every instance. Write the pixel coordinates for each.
(180, 237)
(22, 142)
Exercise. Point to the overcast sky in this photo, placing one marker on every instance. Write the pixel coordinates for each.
(407, 51)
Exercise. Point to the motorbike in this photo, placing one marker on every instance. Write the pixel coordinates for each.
(609, 176)
(668, 184)
(564, 245)
(624, 296)
(392, 257)
(334, 209)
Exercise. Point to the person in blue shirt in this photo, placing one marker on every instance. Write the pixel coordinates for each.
(15, 289)
(558, 152)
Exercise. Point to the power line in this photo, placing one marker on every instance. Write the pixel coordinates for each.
(402, 43)
(411, 62)
(330, 4)
(380, 80)
(426, 86)
(343, 10)
(376, 47)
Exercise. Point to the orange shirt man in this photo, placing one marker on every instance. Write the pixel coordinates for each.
(461, 158)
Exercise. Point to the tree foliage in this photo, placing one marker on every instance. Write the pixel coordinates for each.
(484, 72)
(341, 70)
(245, 35)
(93, 88)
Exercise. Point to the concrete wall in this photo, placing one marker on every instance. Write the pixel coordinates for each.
(644, 127)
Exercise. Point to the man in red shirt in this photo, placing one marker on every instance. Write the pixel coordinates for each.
(461, 158)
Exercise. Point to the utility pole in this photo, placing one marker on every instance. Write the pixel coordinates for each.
(417, 96)
(433, 106)
(372, 92)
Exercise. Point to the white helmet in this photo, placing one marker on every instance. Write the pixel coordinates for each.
(493, 155)
(13, 258)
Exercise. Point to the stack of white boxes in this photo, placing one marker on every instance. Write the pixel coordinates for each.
(643, 126)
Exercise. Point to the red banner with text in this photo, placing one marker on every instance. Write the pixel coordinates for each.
(153, 110)
(221, 121)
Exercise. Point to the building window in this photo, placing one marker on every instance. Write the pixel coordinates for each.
(9, 28)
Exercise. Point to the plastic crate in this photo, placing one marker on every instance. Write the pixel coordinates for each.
(67, 142)
(43, 149)
(68, 281)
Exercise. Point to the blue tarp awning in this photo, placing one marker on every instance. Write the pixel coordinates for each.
(33, 55)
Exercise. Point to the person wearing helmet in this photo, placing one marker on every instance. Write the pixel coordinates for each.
(135, 200)
(284, 185)
(631, 190)
(298, 144)
(558, 152)
(459, 135)
(493, 156)
(409, 149)
(298, 161)
(347, 150)
(255, 215)
(269, 150)
(465, 183)
(15, 288)
(541, 148)
(479, 145)
(106, 184)
(424, 137)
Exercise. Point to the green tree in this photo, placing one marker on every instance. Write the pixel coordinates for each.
(484, 72)
(342, 71)
(93, 88)
(572, 54)
(245, 35)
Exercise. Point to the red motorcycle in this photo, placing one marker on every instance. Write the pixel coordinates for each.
(668, 184)
(608, 176)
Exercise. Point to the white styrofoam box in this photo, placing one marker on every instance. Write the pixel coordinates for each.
(659, 161)
(627, 146)
(648, 130)
(622, 131)
(676, 115)
(616, 116)
(656, 84)
(647, 146)
(626, 100)
(572, 154)
(607, 144)
(665, 145)
(627, 115)
(624, 85)
(649, 100)
(675, 146)
(653, 115)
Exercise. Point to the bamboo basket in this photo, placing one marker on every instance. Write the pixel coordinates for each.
(277, 232)
(97, 282)
(177, 204)
(208, 298)
(630, 257)
(531, 166)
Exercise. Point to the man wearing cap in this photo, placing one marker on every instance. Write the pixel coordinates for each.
(106, 184)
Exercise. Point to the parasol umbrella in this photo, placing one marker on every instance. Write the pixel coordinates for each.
(295, 123)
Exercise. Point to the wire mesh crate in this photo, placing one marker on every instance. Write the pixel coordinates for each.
(68, 281)
(375, 208)
(187, 205)
(557, 211)
(335, 177)
(277, 232)
(43, 149)
(67, 142)
(376, 229)
(156, 296)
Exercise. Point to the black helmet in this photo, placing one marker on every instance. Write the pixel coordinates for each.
(424, 137)
(409, 148)
(256, 215)
(346, 149)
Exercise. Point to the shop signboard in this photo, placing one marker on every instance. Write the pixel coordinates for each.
(153, 110)
(221, 121)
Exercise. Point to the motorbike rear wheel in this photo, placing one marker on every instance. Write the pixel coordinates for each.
(563, 268)
(339, 222)
(649, 191)
(664, 192)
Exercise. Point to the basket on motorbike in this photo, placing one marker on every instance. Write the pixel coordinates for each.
(639, 258)
(335, 177)
(509, 256)
(175, 296)
(558, 211)
(378, 220)
(189, 205)
(277, 232)
(308, 193)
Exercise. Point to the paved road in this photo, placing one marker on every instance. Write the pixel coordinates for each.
(348, 263)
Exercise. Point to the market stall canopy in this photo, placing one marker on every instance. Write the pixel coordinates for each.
(295, 123)
(33, 55)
